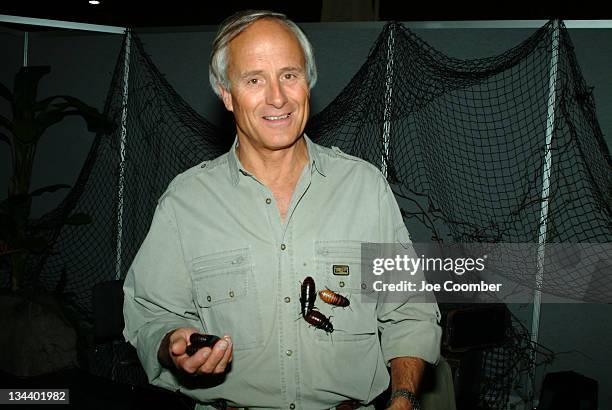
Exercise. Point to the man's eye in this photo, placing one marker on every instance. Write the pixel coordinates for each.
(290, 76)
(253, 81)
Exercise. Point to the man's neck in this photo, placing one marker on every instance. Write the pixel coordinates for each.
(274, 168)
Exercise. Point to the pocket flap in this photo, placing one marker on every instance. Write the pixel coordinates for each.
(221, 277)
(340, 263)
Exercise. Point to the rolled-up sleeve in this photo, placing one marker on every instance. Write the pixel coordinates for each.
(157, 295)
(409, 328)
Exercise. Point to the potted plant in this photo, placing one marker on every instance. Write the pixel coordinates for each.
(30, 119)
(27, 312)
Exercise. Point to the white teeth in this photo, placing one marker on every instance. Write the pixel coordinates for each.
(281, 117)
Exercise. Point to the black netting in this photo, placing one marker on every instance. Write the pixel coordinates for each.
(163, 137)
(463, 143)
(469, 136)
(509, 365)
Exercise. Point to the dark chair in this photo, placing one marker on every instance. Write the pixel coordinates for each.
(117, 359)
(114, 358)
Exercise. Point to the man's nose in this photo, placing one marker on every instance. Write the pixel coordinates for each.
(275, 94)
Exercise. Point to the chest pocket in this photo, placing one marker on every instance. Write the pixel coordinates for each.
(226, 301)
(339, 263)
(339, 269)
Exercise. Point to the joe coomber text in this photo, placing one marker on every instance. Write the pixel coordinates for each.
(423, 286)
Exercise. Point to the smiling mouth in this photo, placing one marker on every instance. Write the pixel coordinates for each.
(276, 118)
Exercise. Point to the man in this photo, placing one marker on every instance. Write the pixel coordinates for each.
(232, 239)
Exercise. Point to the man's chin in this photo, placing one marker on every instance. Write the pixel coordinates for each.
(273, 141)
(283, 141)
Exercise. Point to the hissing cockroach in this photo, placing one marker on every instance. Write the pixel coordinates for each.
(319, 320)
(333, 298)
(308, 296)
(199, 341)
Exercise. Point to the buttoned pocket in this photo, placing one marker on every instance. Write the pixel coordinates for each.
(339, 263)
(226, 302)
(339, 269)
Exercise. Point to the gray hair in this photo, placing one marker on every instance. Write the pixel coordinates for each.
(236, 24)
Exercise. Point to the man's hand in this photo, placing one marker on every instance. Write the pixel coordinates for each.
(172, 353)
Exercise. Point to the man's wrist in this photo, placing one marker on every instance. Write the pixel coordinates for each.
(163, 354)
(400, 403)
(407, 399)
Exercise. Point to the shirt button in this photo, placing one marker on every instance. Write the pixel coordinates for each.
(287, 299)
(283, 247)
(292, 406)
(289, 352)
(341, 284)
(231, 293)
(363, 285)
(208, 298)
(268, 201)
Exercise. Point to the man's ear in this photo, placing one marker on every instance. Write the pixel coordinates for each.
(226, 96)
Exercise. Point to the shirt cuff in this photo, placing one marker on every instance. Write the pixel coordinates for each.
(419, 338)
(147, 346)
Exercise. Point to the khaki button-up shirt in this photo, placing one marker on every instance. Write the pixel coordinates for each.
(219, 258)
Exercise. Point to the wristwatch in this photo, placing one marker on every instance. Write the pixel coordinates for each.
(407, 394)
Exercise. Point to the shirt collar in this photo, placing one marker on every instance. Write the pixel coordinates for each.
(236, 168)
(314, 157)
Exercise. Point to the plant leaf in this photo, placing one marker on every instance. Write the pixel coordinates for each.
(26, 86)
(43, 104)
(49, 188)
(5, 138)
(96, 121)
(6, 123)
(50, 117)
(6, 93)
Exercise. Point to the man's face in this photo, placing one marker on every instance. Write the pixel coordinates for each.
(269, 90)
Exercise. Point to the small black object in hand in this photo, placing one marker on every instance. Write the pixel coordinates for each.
(199, 341)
